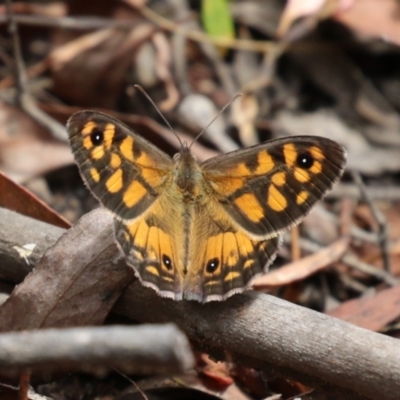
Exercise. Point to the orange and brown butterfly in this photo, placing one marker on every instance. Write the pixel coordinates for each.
(200, 231)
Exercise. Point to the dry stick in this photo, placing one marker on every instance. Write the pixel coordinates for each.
(73, 23)
(379, 218)
(255, 329)
(81, 23)
(24, 384)
(267, 333)
(144, 349)
(24, 100)
(343, 190)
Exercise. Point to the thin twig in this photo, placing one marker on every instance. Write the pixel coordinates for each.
(200, 37)
(19, 70)
(138, 389)
(383, 228)
(23, 98)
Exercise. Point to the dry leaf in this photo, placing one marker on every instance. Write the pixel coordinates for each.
(26, 149)
(17, 198)
(372, 313)
(70, 287)
(303, 268)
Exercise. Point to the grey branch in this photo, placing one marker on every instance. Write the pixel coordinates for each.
(255, 329)
(144, 349)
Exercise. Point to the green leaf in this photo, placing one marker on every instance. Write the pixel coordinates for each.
(217, 19)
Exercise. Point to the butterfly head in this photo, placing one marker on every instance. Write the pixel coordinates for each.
(186, 170)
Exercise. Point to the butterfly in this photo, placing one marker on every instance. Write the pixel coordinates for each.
(200, 231)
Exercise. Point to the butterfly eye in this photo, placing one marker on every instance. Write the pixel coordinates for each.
(305, 160)
(97, 137)
(167, 262)
(212, 265)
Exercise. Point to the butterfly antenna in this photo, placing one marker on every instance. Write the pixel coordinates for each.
(159, 112)
(220, 112)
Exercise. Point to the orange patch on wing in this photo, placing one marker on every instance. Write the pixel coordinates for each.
(245, 245)
(137, 254)
(87, 142)
(248, 264)
(97, 153)
(226, 185)
(250, 207)
(88, 128)
(265, 163)
(290, 154)
(302, 197)
(276, 200)
(109, 133)
(153, 177)
(152, 270)
(114, 182)
(165, 248)
(213, 249)
(317, 152)
(316, 168)
(115, 161)
(279, 179)
(301, 175)
(145, 160)
(141, 234)
(230, 254)
(126, 148)
(239, 170)
(95, 175)
(231, 276)
(153, 247)
(132, 228)
(133, 194)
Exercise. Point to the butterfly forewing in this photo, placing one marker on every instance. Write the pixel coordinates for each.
(124, 171)
(270, 187)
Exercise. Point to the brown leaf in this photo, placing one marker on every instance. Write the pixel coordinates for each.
(372, 313)
(26, 148)
(91, 69)
(69, 287)
(15, 197)
(303, 268)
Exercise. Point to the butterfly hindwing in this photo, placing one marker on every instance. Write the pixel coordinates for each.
(124, 171)
(150, 251)
(226, 261)
(267, 188)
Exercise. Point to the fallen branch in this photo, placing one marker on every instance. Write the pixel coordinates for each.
(144, 349)
(255, 329)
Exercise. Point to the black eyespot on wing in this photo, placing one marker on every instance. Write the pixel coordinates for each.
(167, 262)
(97, 137)
(212, 265)
(305, 160)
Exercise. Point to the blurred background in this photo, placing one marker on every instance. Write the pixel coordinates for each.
(304, 67)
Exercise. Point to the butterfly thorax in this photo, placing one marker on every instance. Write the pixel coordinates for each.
(187, 176)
